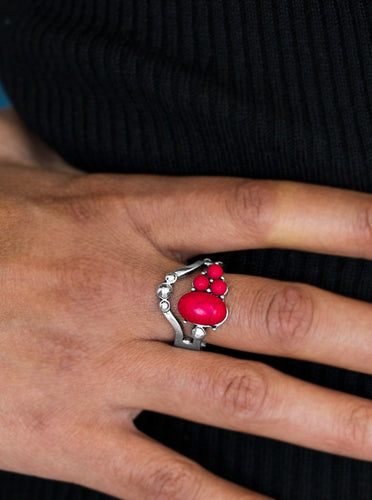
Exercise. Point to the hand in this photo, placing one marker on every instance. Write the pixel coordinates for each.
(85, 348)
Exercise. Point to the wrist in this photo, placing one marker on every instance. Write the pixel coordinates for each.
(20, 145)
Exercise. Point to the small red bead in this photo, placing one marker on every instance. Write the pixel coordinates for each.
(201, 282)
(215, 271)
(218, 287)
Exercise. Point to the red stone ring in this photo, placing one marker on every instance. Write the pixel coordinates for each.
(203, 307)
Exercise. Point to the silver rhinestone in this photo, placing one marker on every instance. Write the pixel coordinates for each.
(171, 278)
(164, 291)
(164, 306)
(198, 333)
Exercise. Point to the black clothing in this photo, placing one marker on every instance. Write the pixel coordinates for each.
(261, 89)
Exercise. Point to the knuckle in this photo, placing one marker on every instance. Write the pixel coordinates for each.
(38, 417)
(251, 206)
(174, 480)
(96, 207)
(90, 284)
(289, 315)
(57, 350)
(76, 208)
(362, 228)
(242, 391)
(93, 198)
(356, 429)
(82, 280)
(36, 421)
(81, 209)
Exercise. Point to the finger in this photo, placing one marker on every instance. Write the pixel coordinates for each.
(294, 320)
(130, 465)
(251, 397)
(192, 215)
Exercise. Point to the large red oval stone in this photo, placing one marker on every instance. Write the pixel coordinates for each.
(202, 308)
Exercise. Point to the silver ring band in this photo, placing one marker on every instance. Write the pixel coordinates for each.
(203, 305)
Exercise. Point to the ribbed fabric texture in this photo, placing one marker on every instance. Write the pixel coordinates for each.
(263, 89)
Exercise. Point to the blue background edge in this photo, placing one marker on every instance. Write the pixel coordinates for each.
(4, 101)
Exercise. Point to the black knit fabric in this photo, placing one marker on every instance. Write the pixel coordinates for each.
(263, 89)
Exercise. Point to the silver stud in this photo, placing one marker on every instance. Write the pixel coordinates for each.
(164, 291)
(171, 278)
(164, 306)
(198, 333)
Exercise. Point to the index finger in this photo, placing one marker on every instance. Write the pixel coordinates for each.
(186, 216)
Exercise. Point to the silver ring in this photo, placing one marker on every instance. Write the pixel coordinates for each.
(203, 307)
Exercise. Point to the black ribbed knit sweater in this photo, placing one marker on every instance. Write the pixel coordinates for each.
(262, 89)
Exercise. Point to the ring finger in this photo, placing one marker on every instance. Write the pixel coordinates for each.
(298, 321)
(291, 319)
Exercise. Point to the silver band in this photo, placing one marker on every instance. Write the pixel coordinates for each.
(164, 293)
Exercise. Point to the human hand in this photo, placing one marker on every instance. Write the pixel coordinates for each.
(85, 348)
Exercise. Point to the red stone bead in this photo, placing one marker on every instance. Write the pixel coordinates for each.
(215, 271)
(202, 308)
(218, 287)
(201, 282)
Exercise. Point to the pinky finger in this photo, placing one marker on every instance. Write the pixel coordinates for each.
(133, 466)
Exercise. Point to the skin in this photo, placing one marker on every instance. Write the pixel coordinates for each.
(79, 253)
